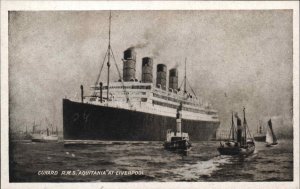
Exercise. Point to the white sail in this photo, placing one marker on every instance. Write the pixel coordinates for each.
(269, 136)
(273, 136)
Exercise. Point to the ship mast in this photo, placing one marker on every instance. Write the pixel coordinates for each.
(185, 81)
(232, 126)
(185, 76)
(108, 58)
(109, 54)
(245, 127)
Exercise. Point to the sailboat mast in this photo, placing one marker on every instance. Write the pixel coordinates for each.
(245, 126)
(33, 127)
(185, 76)
(232, 127)
(108, 58)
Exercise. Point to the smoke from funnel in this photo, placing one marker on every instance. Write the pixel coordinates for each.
(155, 53)
(140, 45)
(157, 45)
(176, 65)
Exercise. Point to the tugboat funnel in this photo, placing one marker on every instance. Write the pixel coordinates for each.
(178, 120)
(178, 125)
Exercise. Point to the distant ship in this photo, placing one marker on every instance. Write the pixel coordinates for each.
(44, 135)
(260, 136)
(134, 110)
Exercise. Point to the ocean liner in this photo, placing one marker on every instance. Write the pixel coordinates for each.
(133, 110)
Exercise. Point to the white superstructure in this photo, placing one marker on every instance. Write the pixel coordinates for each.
(144, 97)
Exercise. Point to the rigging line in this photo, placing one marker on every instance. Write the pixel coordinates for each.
(232, 129)
(248, 130)
(98, 77)
(181, 84)
(119, 73)
(191, 88)
(230, 132)
(184, 79)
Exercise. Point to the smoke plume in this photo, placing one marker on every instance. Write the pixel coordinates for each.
(140, 45)
(176, 65)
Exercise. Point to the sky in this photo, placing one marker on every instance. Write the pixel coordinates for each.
(235, 59)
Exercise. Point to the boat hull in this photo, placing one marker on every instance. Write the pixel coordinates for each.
(229, 151)
(271, 144)
(260, 138)
(82, 121)
(181, 145)
(235, 150)
(44, 138)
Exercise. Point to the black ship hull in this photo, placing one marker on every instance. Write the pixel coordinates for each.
(260, 138)
(82, 121)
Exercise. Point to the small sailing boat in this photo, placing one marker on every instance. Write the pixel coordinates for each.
(270, 137)
(178, 140)
(239, 145)
(261, 134)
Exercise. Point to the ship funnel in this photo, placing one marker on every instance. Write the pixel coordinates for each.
(161, 76)
(178, 119)
(129, 65)
(147, 70)
(173, 79)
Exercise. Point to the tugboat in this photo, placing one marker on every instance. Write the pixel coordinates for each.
(239, 145)
(178, 141)
(261, 134)
(271, 139)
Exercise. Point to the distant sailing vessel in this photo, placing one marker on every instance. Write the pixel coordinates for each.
(133, 110)
(178, 140)
(239, 145)
(44, 135)
(260, 136)
(271, 139)
(27, 135)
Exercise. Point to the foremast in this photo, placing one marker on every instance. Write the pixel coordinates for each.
(109, 54)
(185, 76)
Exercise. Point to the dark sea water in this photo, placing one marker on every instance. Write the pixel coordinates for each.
(203, 163)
